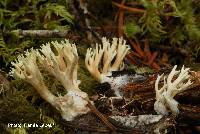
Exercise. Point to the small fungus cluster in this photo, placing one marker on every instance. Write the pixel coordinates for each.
(111, 56)
(165, 101)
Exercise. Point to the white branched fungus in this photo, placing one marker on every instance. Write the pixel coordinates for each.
(111, 55)
(62, 64)
(165, 101)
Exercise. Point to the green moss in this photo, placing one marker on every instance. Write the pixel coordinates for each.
(88, 84)
(17, 131)
(139, 70)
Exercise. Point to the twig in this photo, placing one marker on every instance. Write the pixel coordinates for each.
(152, 57)
(39, 33)
(137, 48)
(134, 10)
(102, 117)
(131, 58)
(155, 66)
(121, 23)
(146, 49)
(43, 33)
(117, 14)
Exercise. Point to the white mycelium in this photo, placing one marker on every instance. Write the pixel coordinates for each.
(137, 121)
(165, 101)
(109, 52)
(118, 82)
(62, 64)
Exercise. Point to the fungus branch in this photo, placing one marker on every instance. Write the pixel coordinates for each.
(92, 61)
(165, 96)
(109, 52)
(27, 69)
(62, 64)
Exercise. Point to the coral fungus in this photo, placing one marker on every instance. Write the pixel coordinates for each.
(165, 95)
(63, 66)
(108, 53)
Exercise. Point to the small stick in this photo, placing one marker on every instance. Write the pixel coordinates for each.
(155, 66)
(121, 23)
(152, 57)
(146, 49)
(135, 54)
(135, 10)
(43, 33)
(121, 20)
(102, 117)
(137, 48)
(130, 58)
(117, 14)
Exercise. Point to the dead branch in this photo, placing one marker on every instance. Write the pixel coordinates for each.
(102, 117)
(39, 33)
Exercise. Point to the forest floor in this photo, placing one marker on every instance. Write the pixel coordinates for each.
(161, 34)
